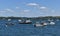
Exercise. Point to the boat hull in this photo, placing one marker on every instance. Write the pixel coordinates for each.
(25, 23)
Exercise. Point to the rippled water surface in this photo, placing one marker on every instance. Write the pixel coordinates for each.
(28, 29)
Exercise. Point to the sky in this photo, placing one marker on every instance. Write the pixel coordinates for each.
(29, 8)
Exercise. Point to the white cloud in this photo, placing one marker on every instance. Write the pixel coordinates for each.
(26, 10)
(39, 7)
(9, 10)
(2, 11)
(17, 7)
(53, 11)
(43, 8)
(32, 4)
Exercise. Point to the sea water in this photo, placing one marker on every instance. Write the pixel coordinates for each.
(28, 29)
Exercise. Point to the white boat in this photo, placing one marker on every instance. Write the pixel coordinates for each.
(9, 19)
(37, 24)
(25, 22)
(28, 21)
(45, 24)
(10, 23)
(40, 24)
(51, 23)
(50, 20)
(19, 20)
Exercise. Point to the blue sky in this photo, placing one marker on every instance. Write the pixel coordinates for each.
(29, 8)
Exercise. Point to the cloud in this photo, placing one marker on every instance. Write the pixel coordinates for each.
(52, 11)
(39, 7)
(9, 10)
(32, 4)
(2, 11)
(26, 10)
(43, 8)
(17, 7)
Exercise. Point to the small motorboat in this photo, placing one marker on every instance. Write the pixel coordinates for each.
(19, 20)
(40, 24)
(44, 23)
(9, 24)
(50, 20)
(25, 22)
(37, 24)
(9, 19)
(52, 23)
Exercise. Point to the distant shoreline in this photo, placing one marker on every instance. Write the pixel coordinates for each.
(46, 17)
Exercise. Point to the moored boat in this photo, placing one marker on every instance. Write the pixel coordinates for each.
(37, 24)
(9, 19)
(52, 23)
(25, 22)
(9, 24)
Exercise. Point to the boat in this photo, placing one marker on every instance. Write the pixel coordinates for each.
(9, 24)
(9, 19)
(37, 24)
(50, 20)
(44, 23)
(25, 22)
(52, 23)
(19, 20)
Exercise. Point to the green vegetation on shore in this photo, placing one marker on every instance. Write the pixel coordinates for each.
(46, 17)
